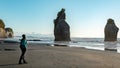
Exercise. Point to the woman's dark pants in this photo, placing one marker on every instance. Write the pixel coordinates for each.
(23, 50)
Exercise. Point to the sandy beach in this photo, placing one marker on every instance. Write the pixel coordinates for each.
(41, 56)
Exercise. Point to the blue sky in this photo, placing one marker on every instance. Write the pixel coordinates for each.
(87, 18)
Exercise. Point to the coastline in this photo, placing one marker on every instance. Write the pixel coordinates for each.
(42, 56)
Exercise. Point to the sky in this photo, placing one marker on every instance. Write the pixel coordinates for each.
(87, 18)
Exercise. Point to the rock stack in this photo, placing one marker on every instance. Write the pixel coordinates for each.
(111, 31)
(61, 28)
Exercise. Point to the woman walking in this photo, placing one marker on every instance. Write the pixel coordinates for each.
(23, 44)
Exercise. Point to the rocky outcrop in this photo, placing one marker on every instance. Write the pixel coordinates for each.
(111, 31)
(61, 28)
(5, 32)
(2, 33)
(9, 32)
(2, 25)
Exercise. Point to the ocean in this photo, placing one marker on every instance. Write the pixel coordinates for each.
(88, 43)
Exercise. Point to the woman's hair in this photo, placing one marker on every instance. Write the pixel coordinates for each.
(23, 36)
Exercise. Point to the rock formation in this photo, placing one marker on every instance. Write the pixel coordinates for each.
(2, 25)
(2, 31)
(61, 28)
(9, 32)
(111, 31)
(5, 32)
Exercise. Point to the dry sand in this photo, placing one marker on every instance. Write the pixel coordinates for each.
(57, 57)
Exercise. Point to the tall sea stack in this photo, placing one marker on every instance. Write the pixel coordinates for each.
(61, 28)
(111, 31)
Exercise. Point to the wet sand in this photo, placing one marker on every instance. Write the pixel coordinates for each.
(41, 56)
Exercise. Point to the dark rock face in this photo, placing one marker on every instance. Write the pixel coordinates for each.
(61, 28)
(111, 31)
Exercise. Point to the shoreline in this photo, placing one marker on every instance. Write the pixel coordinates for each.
(12, 46)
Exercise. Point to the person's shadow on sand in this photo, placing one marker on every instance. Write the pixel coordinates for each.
(9, 64)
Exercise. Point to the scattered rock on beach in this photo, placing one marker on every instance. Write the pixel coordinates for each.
(10, 49)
